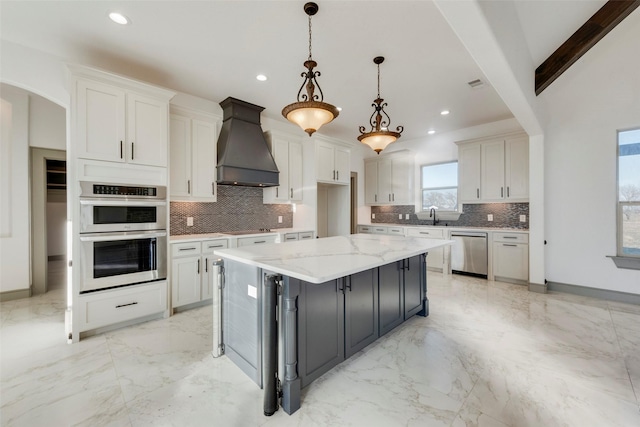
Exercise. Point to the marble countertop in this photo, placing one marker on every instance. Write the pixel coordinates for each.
(320, 260)
(446, 227)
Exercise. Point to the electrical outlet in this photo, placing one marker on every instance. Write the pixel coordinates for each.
(279, 219)
(373, 216)
(490, 217)
(406, 216)
(189, 221)
(523, 218)
(399, 216)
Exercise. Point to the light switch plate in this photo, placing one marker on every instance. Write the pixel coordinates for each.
(373, 216)
(406, 216)
(490, 217)
(523, 218)
(399, 216)
(252, 291)
(189, 221)
(279, 219)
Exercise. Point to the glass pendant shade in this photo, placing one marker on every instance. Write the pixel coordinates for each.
(378, 141)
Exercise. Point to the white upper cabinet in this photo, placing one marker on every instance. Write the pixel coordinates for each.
(494, 169)
(388, 180)
(332, 163)
(117, 124)
(193, 148)
(287, 152)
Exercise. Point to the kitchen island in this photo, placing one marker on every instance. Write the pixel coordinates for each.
(293, 311)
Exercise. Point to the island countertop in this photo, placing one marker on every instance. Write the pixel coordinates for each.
(321, 260)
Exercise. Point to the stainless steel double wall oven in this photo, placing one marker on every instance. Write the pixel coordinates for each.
(123, 235)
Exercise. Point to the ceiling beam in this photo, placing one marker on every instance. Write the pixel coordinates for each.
(596, 27)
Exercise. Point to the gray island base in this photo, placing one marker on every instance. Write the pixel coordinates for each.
(291, 314)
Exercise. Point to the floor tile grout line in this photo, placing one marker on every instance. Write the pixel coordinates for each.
(626, 365)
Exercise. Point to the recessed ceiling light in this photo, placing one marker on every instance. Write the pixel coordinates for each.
(431, 132)
(444, 112)
(118, 18)
(261, 77)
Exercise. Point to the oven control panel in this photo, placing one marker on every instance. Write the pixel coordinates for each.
(92, 189)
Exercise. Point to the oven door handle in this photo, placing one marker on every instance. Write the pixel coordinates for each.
(125, 235)
(120, 202)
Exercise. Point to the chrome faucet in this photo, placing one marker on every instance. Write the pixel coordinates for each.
(432, 213)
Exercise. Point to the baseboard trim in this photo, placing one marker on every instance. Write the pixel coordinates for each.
(13, 295)
(586, 291)
(540, 288)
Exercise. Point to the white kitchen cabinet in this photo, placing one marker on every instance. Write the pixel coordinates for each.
(511, 257)
(436, 258)
(389, 180)
(494, 169)
(256, 240)
(193, 151)
(192, 278)
(287, 152)
(332, 163)
(302, 235)
(115, 123)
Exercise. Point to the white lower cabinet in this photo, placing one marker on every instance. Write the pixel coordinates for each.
(192, 277)
(511, 257)
(381, 229)
(436, 258)
(257, 240)
(302, 235)
(114, 306)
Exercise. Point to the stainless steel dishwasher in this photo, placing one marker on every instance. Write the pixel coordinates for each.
(469, 253)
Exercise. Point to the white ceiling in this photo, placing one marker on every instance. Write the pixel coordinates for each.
(214, 49)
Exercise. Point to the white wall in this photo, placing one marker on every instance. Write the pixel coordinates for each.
(56, 228)
(14, 240)
(47, 124)
(597, 96)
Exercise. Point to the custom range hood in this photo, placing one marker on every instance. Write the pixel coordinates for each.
(243, 154)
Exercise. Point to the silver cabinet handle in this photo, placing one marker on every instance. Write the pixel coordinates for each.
(509, 237)
(260, 241)
(338, 175)
(501, 191)
(424, 232)
(477, 193)
(188, 186)
(389, 197)
(206, 265)
(507, 191)
(277, 191)
(214, 246)
(213, 188)
(393, 197)
(186, 249)
(198, 266)
(292, 193)
(121, 150)
(375, 197)
(334, 175)
(508, 244)
(132, 151)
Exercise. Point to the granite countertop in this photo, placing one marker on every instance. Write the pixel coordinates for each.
(320, 260)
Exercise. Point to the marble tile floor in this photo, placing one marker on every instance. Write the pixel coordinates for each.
(490, 354)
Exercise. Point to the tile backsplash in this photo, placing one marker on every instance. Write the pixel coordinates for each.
(505, 215)
(237, 209)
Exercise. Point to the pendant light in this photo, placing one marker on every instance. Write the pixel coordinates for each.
(310, 112)
(379, 136)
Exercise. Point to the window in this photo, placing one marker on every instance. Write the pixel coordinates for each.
(629, 193)
(440, 186)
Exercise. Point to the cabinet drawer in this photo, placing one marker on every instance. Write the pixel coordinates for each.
(306, 235)
(208, 246)
(121, 305)
(425, 232)
(185, 249)
(365, 229)
(247, 241)
(511, 237)
(289, 237)
(396, 230)
(378, 229)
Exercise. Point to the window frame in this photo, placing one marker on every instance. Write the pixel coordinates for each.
(422, 189)
(621, 203)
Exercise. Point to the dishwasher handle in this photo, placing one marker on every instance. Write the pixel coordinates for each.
(469, 234)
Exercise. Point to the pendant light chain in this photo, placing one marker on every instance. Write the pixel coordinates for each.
(378, 80)
(309, 37)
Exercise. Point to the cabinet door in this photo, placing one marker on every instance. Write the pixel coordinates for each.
(391, 300)
(435, 259)
(324, 162)
(146, 131)
(511, 260)
(360, 311)
(414, 274)
(204, 149)
(384, 181)
(100, 122)
(517, 168)
(208, 279)
(371, 183)
(402, 181)
(321, 328)
(468, 173)
(185, 280)
(295, 172)
(180, 176)
(342, 164)
(492, 170)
